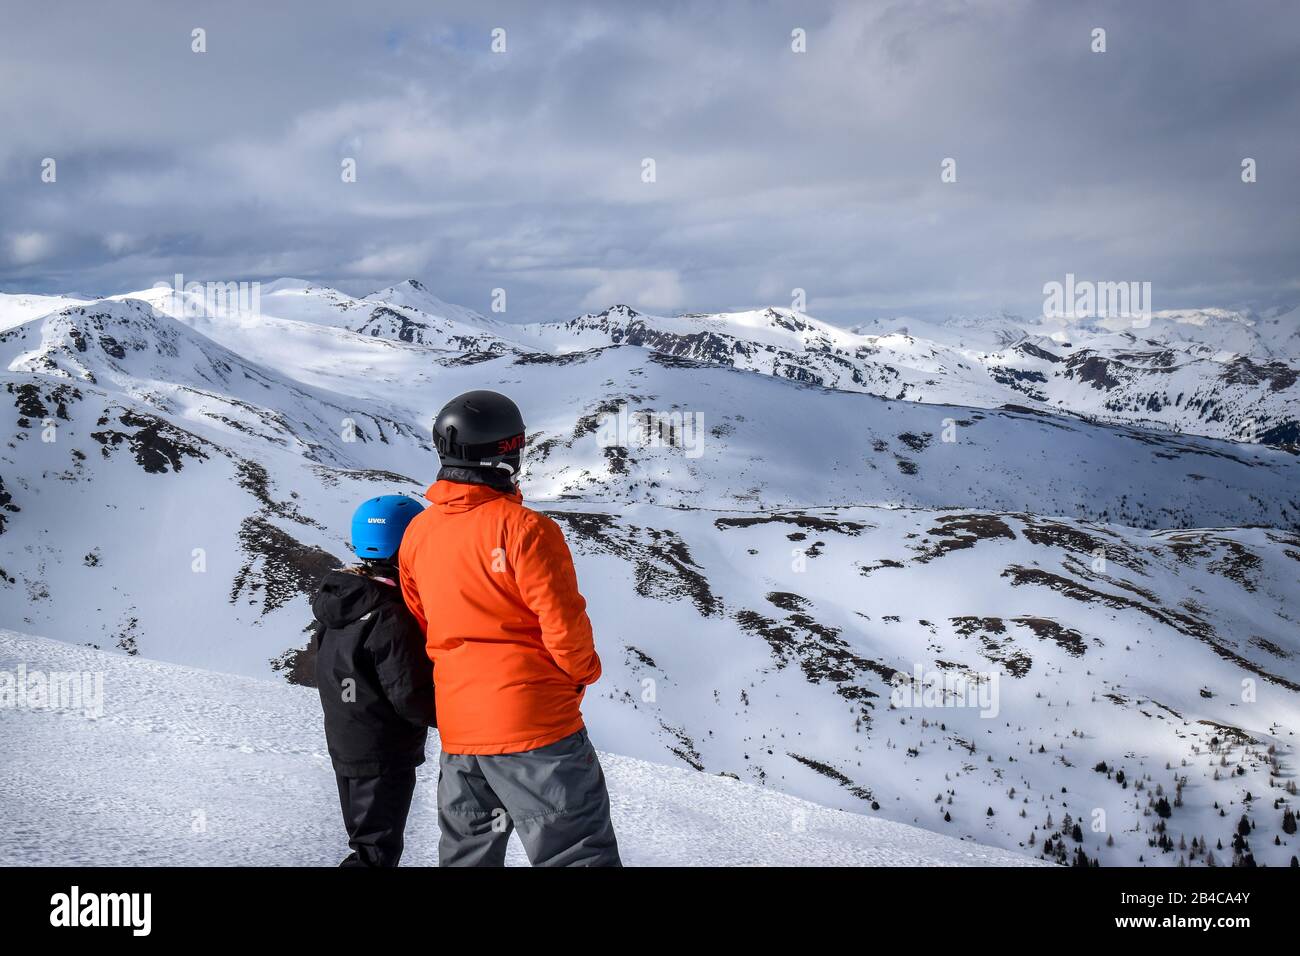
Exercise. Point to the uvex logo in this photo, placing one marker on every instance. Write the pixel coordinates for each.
(377, 521)
(507, 445)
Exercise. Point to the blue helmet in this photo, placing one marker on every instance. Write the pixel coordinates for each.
(378, 525)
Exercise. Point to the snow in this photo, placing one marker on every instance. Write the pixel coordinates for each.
(1133, 590)
(196, 768)
(15, 309)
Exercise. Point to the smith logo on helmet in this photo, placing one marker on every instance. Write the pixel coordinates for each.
(507, 445)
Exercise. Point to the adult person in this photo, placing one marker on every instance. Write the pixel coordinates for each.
(493, 585)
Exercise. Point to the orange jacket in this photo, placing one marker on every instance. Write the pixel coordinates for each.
(493, 586)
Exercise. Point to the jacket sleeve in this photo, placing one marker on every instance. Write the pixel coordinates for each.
(410, 593)
(396, 646)
(548, 583)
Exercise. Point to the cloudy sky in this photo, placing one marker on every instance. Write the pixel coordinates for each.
(774, 170)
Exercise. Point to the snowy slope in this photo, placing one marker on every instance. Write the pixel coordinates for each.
(199, 768)
(773, 643)
(15, 309)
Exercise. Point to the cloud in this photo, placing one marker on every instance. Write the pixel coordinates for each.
(390, 261)
(118, 243)
(645, 289)
(28, 247)
(776, 170)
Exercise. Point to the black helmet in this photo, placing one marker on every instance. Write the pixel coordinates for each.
(480, 429)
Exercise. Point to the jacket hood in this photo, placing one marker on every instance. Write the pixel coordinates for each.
(344, 597)
(452, 497)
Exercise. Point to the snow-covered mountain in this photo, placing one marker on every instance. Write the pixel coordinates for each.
(768, 561)
(1211, 372)
(1204, 382)
(403, 313)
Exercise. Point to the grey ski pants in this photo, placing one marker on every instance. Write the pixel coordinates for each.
(554, 796)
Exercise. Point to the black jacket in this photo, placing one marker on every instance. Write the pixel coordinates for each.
(379, 722)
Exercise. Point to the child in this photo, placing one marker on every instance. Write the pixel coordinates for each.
(376, 684)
